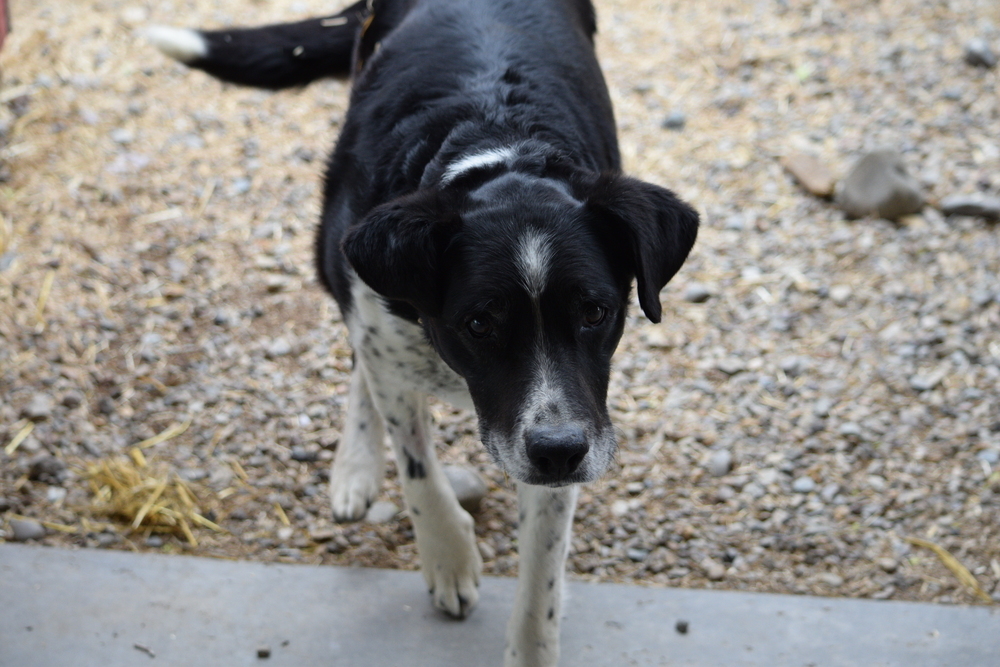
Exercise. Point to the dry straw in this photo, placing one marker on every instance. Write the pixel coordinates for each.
(147, 496)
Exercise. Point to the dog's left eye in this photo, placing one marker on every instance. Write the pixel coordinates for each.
(594, 314)
(480, 326)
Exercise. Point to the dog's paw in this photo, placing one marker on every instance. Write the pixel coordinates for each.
(352, 490)
(451, 565)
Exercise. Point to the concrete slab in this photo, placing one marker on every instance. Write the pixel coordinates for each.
(93, 607)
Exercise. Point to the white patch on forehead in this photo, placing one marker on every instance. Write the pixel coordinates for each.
(487, 158)
(534, 254)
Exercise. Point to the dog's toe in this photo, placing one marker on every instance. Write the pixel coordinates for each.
(350, 501)
(457, 599)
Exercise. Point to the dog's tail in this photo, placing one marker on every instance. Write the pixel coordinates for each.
(273, 56)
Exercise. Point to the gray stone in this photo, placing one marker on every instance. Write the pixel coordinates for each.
(279, 347)
(47, 469)
(925, 382)
(720, 463)
(841, 294)
(637, 555)
(804, 484)
(830, 579)
(888, 564)
(469, 487)
(26, 529)
(830, 491)
(381, 511)
(991, 456)
(72, 399)
(713, 570)
(979, 54)
(39, 408)
(794, 366)
(731, 365)
(675, 120)
(697, 293)
(975, 205)
(879, 185)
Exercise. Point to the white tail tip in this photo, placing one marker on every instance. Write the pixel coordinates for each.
(180, 43)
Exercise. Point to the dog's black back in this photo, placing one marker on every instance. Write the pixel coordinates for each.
(440, 78)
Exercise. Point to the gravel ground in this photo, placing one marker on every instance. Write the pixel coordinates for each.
(819, 391)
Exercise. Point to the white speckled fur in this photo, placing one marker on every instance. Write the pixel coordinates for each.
(543, 544)
(395, 370)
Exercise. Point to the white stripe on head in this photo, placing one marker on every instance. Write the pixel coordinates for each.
(180, 43)
(534, 253)
(487, 158)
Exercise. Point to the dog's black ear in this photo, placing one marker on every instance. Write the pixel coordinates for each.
(399, 248)
(651, 228)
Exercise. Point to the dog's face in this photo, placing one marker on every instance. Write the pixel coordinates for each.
(522, 285)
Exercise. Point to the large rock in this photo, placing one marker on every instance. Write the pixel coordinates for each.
(878, 185)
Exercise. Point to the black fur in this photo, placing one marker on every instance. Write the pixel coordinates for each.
(286, 55)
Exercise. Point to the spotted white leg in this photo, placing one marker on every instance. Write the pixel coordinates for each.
(446, 540)
(359, 466)
(543, 544)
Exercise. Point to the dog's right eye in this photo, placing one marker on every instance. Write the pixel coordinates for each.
(479, 326)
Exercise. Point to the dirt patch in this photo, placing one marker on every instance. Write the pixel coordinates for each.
(829, 389)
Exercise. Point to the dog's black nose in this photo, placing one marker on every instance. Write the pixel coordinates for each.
(556, 451)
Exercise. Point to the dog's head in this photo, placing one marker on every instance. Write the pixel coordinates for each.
(522, 285)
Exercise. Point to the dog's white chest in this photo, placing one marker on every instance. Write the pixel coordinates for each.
(395, 348)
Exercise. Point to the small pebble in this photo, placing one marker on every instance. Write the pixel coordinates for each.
(714, 571)
(840, 294)
(39, 408)
(469, 487)
(979, 54)
(720, 462)
(637, 555)
(26, 529)
(830, 579)
(697, 293)
(619, 508)
(890, 565)
(675, 120)
(681, 627)
(381, 511)
(635, 488)
(811, 174)
(279, 347)
(47, 469)
(731, 365)
(972, 205)
(804, 484)
(72, 399)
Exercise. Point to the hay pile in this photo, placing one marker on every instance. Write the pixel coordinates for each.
(149, 497)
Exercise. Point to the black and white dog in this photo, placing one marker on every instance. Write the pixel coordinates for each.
(481, 241)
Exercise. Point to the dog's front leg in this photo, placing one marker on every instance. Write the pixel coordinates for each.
(358, 469)
(543, 543)
(446, 539)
